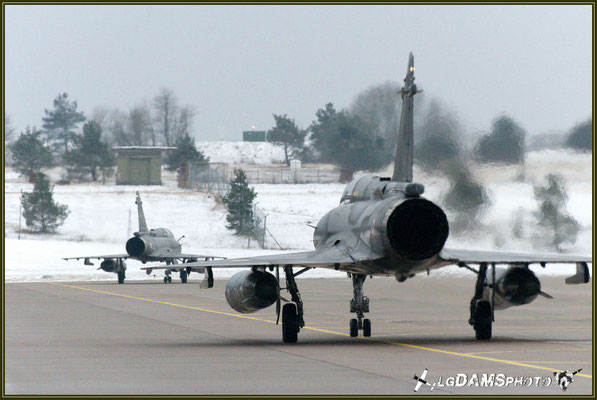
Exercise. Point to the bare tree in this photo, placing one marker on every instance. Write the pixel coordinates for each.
(8, 128)
(8, 135)
(139, 126)
(103, 116)
(118, 128)
(184, 122)
(165, 106)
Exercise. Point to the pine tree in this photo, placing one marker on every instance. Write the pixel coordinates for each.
(89, 154)
(557, 226)
(185, 151)
(467, 198)
(581, 136)
(239, 202)
(29, 154)
(348, 141)
(286, 134)
(504, 144)
(40, 211)
(60, 122)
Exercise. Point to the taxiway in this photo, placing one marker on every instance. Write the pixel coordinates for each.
(153, 338)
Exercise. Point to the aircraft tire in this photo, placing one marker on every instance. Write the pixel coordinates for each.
(289, 323)
(483, 321)
(366, 327)
(354, 328)
(165, 279)
(169, 279)
(183, 276)
(121, 277)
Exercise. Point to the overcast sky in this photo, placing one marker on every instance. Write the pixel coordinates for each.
(239, 64)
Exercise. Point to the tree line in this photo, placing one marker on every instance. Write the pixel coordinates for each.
(85, 151)
(363, 136)
(82, 145)
(360, 137)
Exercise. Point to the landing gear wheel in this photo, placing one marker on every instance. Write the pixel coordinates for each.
(183, 276)
(121, 277)
(290, 325)
(354, 328)
(169, 279)
(165, 279)
(482, 322)
(366, 327)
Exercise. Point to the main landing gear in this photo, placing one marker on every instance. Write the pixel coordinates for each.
(482, 309)
(359, 305)
(183, 273)
(292, 313)
(183, 276)
(168, 276)
(121, 277)
(120, 270)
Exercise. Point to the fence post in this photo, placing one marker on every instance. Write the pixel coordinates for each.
(264, 230)
(20, 213)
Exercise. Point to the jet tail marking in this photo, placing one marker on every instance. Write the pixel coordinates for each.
(142, 223)
(403, 162)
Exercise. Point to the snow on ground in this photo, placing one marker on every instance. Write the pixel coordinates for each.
(103, 217)
(242, 152)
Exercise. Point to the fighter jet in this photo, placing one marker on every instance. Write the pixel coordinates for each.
(384, 226)
(149, 245)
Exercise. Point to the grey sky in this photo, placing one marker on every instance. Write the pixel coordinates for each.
(239, 64)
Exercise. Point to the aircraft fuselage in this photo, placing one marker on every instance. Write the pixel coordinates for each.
(152, 245)
(391, 220)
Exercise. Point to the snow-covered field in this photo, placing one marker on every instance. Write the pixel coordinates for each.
(103, 217)
(242, 152)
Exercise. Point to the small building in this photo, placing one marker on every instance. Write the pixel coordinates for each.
(139, 165)
(253, 136)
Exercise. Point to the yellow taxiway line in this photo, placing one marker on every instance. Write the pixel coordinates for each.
(452, 353)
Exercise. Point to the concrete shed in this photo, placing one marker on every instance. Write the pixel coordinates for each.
(139, 165)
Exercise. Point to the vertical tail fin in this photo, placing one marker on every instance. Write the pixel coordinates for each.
(403, 162)
(142, 223)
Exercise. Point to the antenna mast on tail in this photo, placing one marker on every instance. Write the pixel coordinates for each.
(403, 162)
(142, 223)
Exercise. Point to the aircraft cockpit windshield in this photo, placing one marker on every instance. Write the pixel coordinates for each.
(160, 232)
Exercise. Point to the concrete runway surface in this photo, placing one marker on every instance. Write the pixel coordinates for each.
(153, 338)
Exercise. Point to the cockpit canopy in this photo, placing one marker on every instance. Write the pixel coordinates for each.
(375, 187)
(160, 232)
